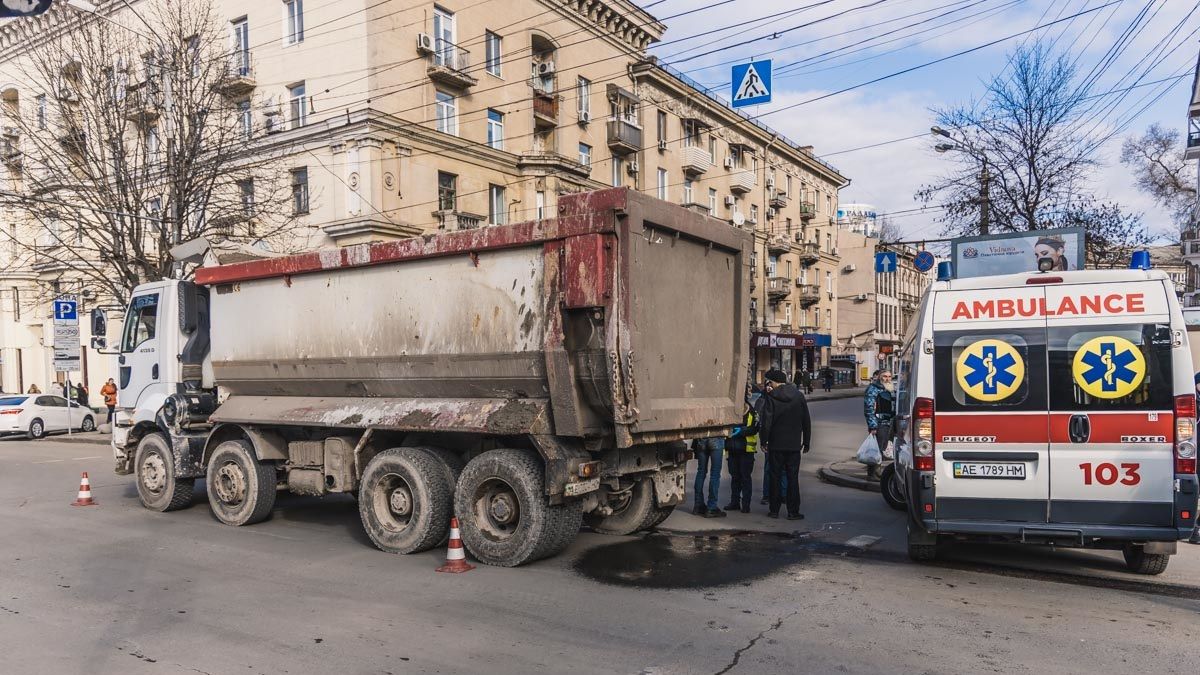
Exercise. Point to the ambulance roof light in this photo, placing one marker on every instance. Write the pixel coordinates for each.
(945, 270)
(1140, 260)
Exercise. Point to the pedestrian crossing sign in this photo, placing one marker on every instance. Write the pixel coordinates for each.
(751, 83)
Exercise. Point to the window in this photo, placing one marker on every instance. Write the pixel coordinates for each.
(583, 97)
(246, 196)
(241, 48)
(41, 111)
(585, 154)
(491, 53)
(540, 204)
(624, 108)
(772, 265)
(787, 313)
(299, 113)
(293, 27)
(300, 190)
(662, 183)
(152, 144)
(788, 189)
(712, 149)
(828, 242)
(736, 155)
(447, 191)
(1108, 362)
(497, 207)
(712, 201)
(689, 193)
(495, 129)
(829, 281)
(754, 213)
(443, 37)
(141, 322)
(829, 204)
(1028, 393)
(246, 119)
(691, 133)
(662, 130)
(829, 318)
(617, 166)
(447, 114)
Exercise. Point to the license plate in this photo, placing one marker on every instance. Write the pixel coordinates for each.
(998, 470)
(582, 487)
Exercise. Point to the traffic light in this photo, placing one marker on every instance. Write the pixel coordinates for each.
(21, 8)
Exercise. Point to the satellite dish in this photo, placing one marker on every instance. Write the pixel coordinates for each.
(738, 218)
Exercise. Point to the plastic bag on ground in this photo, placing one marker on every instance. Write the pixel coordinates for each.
(868, 452)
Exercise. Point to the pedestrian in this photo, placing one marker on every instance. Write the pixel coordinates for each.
(879, 407)
(82, 393)
(66, 391)
(785, 430)
(109, 392)
(33, 389)
(827, 378)
(709, 452)
(740, 449)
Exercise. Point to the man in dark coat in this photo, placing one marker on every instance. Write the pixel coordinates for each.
(786, 431)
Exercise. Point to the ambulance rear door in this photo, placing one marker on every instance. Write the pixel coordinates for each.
(1111, 404)
(991, 437)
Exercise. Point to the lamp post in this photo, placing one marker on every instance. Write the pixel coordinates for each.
(985, 210)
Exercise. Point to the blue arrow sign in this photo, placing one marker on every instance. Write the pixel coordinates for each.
(751, 83)
(66, 310)
(885, 262)
(19, 8)
(924, 261)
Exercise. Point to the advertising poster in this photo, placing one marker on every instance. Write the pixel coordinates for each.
(1015, 252)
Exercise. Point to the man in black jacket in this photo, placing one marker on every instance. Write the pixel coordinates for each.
(786, 431)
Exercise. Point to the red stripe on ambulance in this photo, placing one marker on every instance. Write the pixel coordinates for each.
(991, 429)
(1130, 427)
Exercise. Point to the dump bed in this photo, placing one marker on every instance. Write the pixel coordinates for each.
(623, 317)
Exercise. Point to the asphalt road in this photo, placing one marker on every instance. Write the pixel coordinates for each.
(117, 589)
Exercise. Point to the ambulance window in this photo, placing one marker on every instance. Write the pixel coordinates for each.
(1122, 367)
(988, 370)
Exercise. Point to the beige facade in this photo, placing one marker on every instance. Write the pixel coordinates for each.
(403, 118)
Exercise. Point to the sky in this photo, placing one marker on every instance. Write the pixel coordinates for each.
(819, 47)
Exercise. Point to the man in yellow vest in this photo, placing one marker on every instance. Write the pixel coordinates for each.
(740, 449)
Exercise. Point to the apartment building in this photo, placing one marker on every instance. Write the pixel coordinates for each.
(398, 118)
(1191, 236)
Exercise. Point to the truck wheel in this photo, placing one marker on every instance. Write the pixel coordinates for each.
(633, 510)
(505, 516)
(405, 500)
(241, 489)
(450, 460)
(158, 488)
(1140, 562)
(661, 513)
(890, 489)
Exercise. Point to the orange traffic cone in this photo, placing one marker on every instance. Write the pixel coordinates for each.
(85, 493)
(456, 558)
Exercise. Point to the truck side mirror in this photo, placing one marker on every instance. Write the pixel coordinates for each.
(99, 322)
(99, 343)
(189, 317)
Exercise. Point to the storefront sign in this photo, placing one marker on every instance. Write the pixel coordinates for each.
(789, 341)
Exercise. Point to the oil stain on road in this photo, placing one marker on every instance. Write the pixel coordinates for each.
(662, 560)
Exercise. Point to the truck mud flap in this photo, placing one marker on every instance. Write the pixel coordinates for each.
(669, 489)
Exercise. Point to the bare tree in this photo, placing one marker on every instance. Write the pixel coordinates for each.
(1112, 233)
(1018, 151)
(888, 232)
(1159, 170)
(132, 139)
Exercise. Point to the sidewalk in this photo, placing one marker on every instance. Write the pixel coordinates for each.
(848, 473)
(848, 392)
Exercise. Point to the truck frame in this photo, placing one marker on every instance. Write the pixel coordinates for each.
(522, 377)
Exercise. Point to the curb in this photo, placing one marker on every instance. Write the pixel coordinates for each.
(829, 475)
(94, 439)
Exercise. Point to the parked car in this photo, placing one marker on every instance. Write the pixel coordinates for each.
(36, 415)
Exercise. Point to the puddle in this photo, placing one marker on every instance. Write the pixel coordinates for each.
(691, 560)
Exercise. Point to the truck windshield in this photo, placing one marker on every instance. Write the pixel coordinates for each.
(141, 321)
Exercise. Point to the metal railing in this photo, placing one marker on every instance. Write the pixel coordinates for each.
(449, 55)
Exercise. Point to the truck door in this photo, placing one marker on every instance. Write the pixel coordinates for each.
(1111, 406)
(991, 436)
(139, 367)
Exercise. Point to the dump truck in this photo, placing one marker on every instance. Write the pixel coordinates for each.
(525, 378)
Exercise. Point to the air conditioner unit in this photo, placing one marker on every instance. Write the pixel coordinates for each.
(771, 182)
(850, 268)
(272, 124)
(545, 68)
(834, 252)
(632, 168)
(11, 132)
(585, 116)
(728, 162)
(662, 144)
(729, 201)
(799, 238)
(771, 214)
(861, 297)
(67, 94)
(424, 43)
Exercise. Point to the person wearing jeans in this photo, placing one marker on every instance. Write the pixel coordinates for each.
(709, 453)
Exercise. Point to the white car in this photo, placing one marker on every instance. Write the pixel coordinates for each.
(36, 415)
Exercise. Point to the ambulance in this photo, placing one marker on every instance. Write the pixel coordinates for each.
(1052, 408)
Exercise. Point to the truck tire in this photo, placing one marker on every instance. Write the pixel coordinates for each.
(890, 489)
(451, 461)
(241, 489)
(633, 512)
(1140, 562)
(405, 500)
(505, 517)
(154, 466)
(661, 513)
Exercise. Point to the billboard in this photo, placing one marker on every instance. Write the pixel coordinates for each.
(1015, 252)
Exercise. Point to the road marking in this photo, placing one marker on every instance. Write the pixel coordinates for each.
(862, 541)
(90, 457)
(50, 461)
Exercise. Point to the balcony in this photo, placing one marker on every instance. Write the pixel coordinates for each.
(141, 107)
(10, 154)
(808, 294)
(458, 220)
(239, 79)
(450, 65)
(624, 137)
(695, 160)
(545, 109)
(807, 210)
(810, 252)
(779, 200)
(1193, 142)
(779, 288)
(779, 243)
(552, 162)
(742, 181)
(74, 140)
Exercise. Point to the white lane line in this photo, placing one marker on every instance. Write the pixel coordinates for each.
(49, 461)
(862, 541)
(90, 457)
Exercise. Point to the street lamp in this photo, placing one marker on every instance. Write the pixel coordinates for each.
(962, 146)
